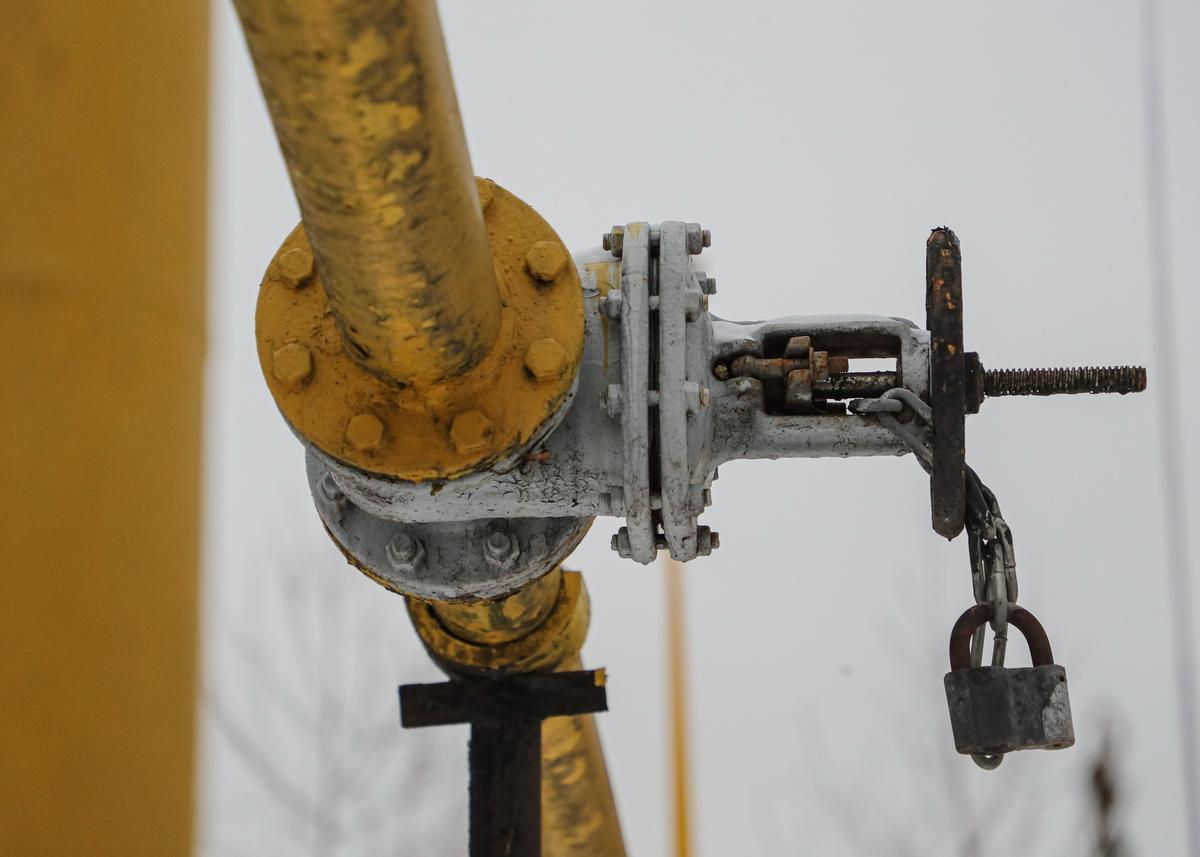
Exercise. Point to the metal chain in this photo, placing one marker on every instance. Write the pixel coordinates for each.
(989, 538)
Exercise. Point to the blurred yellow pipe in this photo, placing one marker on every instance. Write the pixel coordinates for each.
(103, 131)
(677, 671)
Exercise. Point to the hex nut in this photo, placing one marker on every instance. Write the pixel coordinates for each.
(329, 492)
(292, 364)
(545, 260)
(546, 359)
(500, 549)
(295, 266)
(364, 432)
(404, 552)
(614, 242)
(612, 399)
(471, 432)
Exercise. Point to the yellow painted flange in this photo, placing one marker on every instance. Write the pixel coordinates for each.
(457, 425)
(556, 639)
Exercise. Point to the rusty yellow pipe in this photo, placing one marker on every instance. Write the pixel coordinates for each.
(102, 236)
(364, 108)
(541, 627)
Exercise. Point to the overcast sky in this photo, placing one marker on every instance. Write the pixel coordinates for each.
(819, 143)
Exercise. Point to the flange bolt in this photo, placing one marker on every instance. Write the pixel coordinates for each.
(404, 552)
(500, 548)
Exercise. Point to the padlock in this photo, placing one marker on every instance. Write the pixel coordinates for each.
(995, 710)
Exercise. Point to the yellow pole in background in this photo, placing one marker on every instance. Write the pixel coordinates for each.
(677, 668)
(103, 126)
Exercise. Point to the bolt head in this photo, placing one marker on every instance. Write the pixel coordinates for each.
(364, 432)
(292, 364)
(295, 266)
(621, 544)
(329, 492)
(500, 548)
(613, 399)
(546, 359)
(404, 552)
(487, 192)
(545, 260)
(471, 432)
(697, 239)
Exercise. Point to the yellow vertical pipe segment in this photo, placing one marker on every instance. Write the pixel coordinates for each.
(539, 628)
(677, 669)
(102, 270)
(364, 107)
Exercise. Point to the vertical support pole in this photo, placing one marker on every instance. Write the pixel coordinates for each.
(506, 787)
(505, 757)
(677, 668)
(103, 150)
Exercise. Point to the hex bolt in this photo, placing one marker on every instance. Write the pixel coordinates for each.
(694, 396)
(545, 261)
(620, 543)
(404, 552)
(706, 541)
(546, 359)
(500, 549)
(697, 239)
(614, 241)
(329, 493)
(612, 303)
(487, 193)
(292, 364)
(612, 399)
(295, 267)
(471, 432)
(364, 432)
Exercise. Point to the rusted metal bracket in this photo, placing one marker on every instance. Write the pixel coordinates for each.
(505, 756)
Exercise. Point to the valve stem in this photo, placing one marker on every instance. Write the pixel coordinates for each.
(1053, 382)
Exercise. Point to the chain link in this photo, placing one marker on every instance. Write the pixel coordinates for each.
(989, 538)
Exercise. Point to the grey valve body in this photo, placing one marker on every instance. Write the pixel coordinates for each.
(660, 402)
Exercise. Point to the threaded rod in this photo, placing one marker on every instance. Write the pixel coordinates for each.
(1053, 382)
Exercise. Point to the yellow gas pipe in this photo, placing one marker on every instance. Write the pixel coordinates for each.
(364, 108)
(439, 329)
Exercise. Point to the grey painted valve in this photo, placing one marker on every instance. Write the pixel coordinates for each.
(666, 393)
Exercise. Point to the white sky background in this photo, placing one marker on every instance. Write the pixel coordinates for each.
(819, 143)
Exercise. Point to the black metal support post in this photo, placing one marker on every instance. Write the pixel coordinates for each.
(505, 757)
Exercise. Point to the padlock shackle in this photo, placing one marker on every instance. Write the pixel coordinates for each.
(1025, 622)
